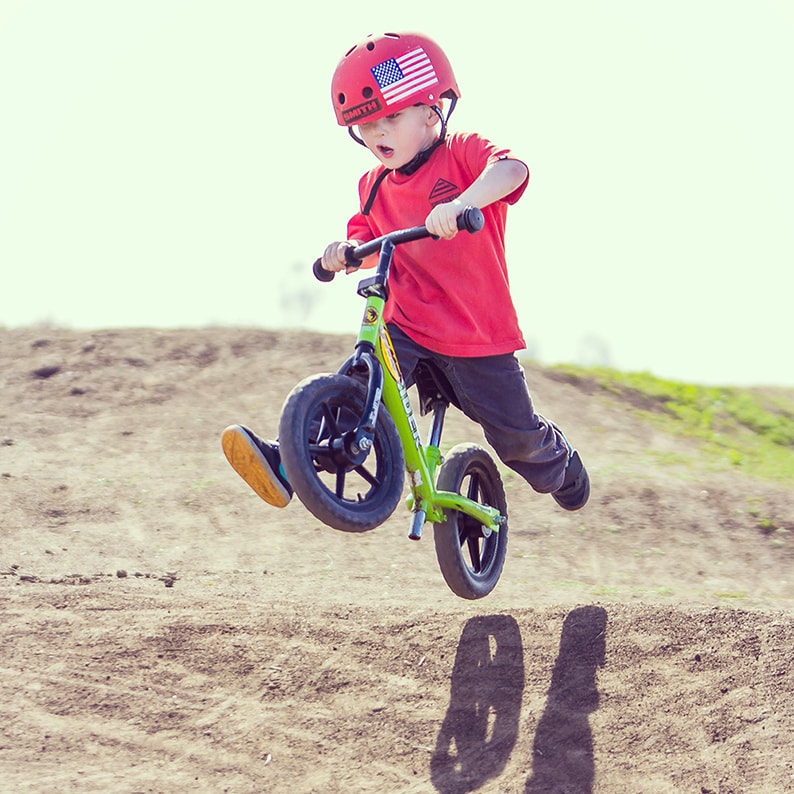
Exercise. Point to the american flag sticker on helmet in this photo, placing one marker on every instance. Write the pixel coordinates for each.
(398, 78)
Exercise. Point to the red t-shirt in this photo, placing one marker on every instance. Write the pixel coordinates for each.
(450, 296)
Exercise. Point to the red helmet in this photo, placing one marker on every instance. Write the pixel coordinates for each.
(387, 73)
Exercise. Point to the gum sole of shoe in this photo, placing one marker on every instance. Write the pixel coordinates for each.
(250, 464)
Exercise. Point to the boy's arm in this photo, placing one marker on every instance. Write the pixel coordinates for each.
(496, 181)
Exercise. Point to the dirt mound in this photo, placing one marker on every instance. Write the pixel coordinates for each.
(165, 629)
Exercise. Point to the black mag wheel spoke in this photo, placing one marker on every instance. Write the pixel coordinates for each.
(329, 423)
(340, 483)
(473, 491)
(473, 543)
(367, 475)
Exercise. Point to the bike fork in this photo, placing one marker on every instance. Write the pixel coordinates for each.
(364, 361)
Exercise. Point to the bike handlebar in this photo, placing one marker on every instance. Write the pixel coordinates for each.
(470, 220)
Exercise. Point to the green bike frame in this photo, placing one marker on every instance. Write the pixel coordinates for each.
(421, 460)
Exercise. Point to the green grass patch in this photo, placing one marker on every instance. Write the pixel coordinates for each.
(747, 428)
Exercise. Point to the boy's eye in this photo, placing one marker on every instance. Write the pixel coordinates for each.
(368, 125)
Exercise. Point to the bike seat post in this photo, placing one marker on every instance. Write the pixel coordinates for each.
(437, 425)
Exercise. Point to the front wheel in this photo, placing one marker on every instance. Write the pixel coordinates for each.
(470, 556)
(353, 493)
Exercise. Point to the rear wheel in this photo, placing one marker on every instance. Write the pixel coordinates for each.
(471, 557)
(347, 491)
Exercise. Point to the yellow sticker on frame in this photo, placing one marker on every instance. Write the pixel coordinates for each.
(388, 355)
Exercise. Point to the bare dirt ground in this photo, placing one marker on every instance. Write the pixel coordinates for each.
(164, 630)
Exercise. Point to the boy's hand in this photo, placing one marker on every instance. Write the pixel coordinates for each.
(333, 257)
(443, 219)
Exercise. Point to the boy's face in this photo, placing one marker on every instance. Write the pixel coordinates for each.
(396, 139)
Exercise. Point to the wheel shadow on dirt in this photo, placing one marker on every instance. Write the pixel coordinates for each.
(481, 726)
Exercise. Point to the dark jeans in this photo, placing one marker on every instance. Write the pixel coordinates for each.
(493, 392)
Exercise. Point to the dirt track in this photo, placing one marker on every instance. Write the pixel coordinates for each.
(165, 630)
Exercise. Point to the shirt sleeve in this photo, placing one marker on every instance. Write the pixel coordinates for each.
(358, 229)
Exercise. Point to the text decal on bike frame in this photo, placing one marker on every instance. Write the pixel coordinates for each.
(409, 413)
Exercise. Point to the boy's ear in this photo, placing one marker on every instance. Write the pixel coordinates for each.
(432, 117)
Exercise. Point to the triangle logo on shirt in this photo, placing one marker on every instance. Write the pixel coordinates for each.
(443, 191)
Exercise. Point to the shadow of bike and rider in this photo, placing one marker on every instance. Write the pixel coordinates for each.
(481, 726)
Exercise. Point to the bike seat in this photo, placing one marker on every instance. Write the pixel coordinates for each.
(432, 386)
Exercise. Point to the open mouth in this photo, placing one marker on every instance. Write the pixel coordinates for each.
(386, 151)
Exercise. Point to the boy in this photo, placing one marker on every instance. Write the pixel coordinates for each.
(449, 300)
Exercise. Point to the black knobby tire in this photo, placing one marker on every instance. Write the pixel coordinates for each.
(471, 558)
(353, 498)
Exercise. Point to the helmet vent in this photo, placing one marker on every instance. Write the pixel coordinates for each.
(370, 45)
(367, 92)
(342, 99)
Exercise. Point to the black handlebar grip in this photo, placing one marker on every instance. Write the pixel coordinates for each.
(350, 258)
(471, 220)
(320, 273)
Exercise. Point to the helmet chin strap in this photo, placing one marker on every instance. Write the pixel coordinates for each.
(352, 133)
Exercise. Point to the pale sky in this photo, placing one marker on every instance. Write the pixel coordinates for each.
(175, 163)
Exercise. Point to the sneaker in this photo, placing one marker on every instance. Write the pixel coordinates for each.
(575, 489)
(258, 463)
